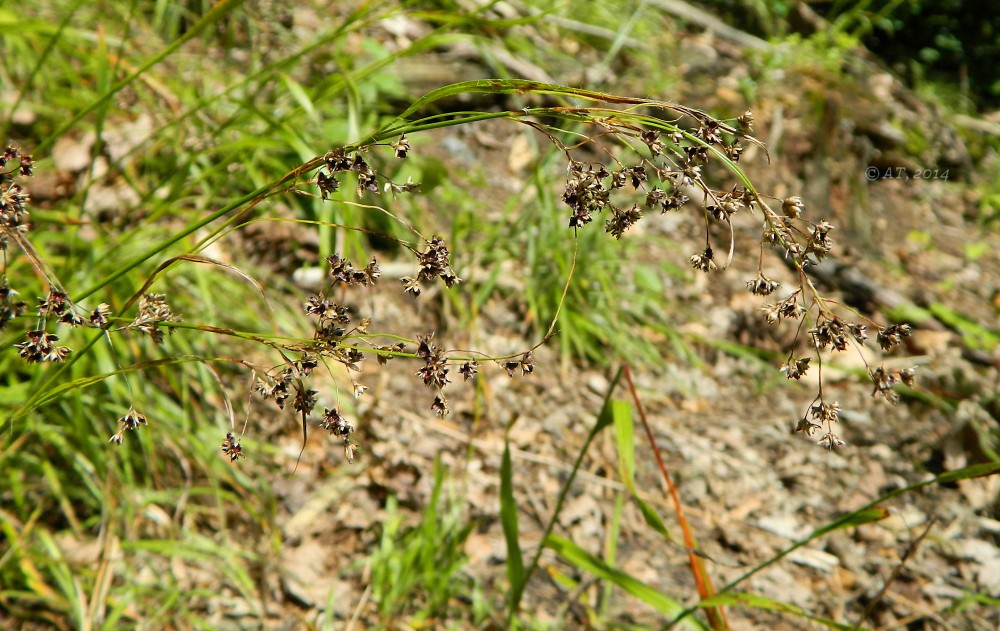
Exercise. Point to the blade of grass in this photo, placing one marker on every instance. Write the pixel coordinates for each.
(508, 519)
(611, 551)
(216, 13)
(582, 559)
(754, 601)
(39, 64)
(621, 415)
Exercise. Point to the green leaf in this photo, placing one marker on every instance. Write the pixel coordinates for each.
(620, 413)
(562, 579)
(508, 519)
(577, 556)
(754, 601)
(607, 416)
(298, 93)
(973, 334)
(652, 518)
(850, 520)
(967, 473)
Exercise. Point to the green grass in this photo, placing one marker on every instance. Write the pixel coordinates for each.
(612, 306)
(416, 573)
(64, 482)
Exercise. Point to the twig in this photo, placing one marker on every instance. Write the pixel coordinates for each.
(910, 550)
(356, 615)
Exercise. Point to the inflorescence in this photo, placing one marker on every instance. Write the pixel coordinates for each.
(665, 169)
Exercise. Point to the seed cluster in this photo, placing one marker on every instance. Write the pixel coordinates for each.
(131, 421)
(663, 165)
(14, 219)
(40, 345)
(154, 311)
(675, 167)
(434, 262)
(232, 448)
(337, 327)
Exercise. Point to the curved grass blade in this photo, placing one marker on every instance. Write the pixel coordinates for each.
(577, 556)
(968, 473)
(508, 519)
(620, 413)
(196, 258)
(754, 601)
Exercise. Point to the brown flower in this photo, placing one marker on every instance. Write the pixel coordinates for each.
(232, 448)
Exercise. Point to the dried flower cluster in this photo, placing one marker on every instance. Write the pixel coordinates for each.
(13, 196)
(232, 448)
(40, 345)
(341, 337)
(832, 333)
(56, 305)
(434, 372)
(665, 177)
(131, 421)
(435, 262)
(288, 381)
(339, 427)
(343, 271)
(674, 168)
(13, 224)
(343, 161)
(664, 167)
(153, 312)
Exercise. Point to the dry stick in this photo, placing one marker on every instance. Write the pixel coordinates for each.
(716, 615)
(910, 550)
(357, 610)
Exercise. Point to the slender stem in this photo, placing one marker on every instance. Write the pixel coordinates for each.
(564, 492)
(716, 615)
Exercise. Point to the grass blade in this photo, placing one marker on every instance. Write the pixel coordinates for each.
(851, 520)
(508, 519)
(216, 13)
(967, 473)
(620, 413)
(582, 559)
(769, 604)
